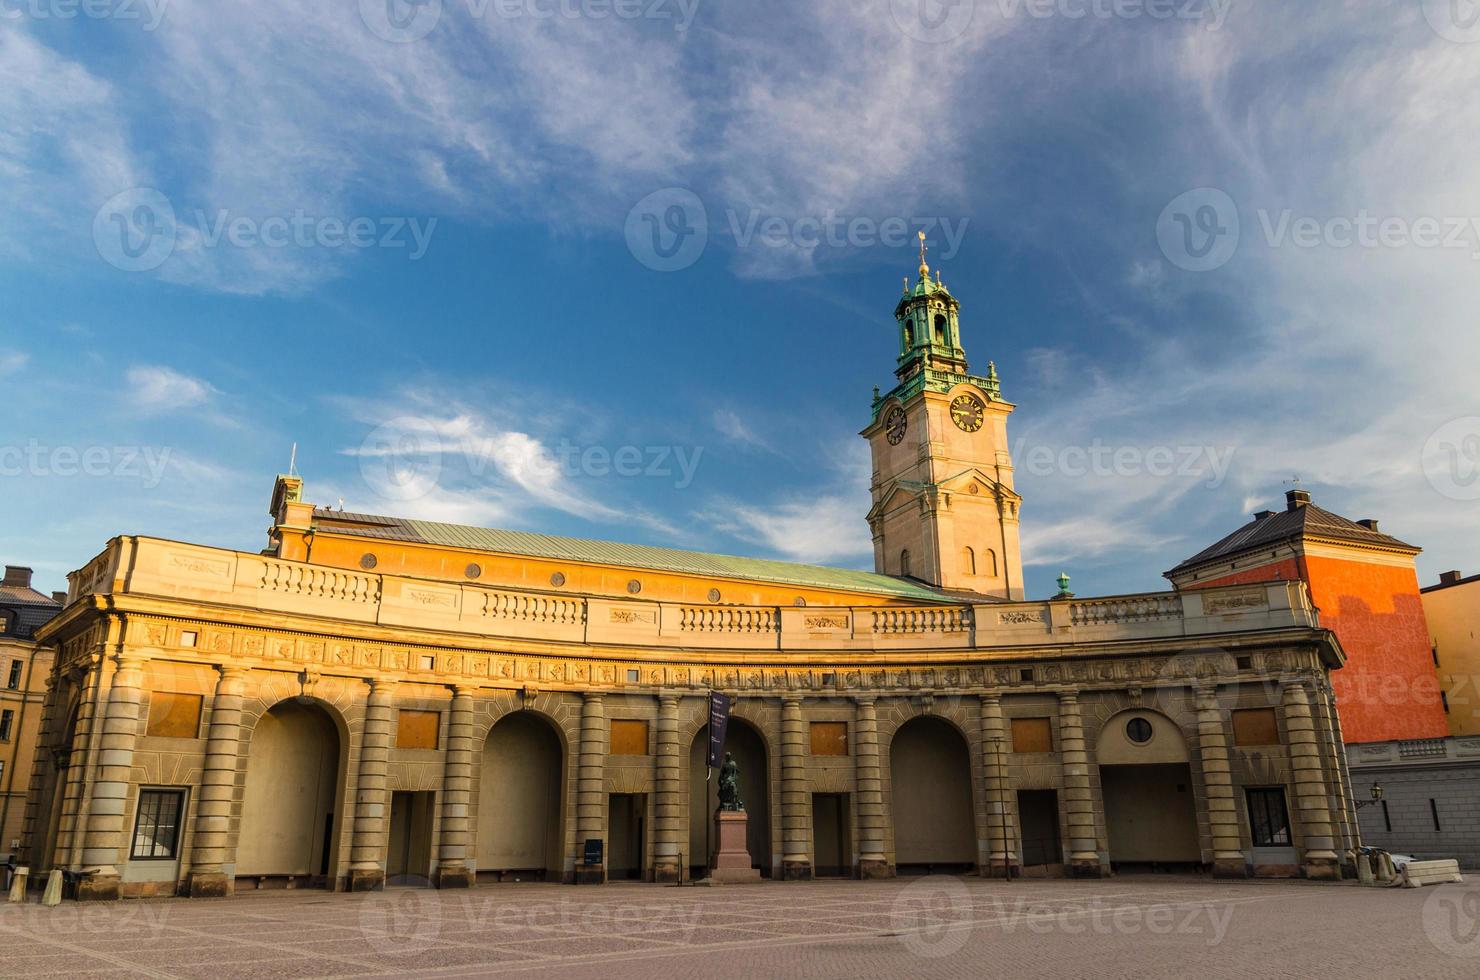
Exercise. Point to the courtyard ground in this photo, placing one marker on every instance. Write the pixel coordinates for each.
(1142, 927)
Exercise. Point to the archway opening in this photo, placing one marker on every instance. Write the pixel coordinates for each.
(1146, 783)
(749, 749)
(519, 801)
(930, 782)
(295, 769)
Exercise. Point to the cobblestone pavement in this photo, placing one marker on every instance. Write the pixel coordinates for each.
(1143, 927)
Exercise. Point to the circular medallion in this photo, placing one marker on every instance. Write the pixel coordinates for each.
(558, 579)
(473, 571)
(368, 562)
(714, 595)
(800, 601)
(967, 411)
(895, 425)
(634, 586)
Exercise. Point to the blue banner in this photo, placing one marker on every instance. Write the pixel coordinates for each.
(719, 721)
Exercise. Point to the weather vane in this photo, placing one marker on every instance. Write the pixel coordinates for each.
(924, 268)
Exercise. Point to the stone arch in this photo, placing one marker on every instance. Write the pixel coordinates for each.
(1147, 786)
(746, 738)
(931, 795)
(297, 753)
(522, 797)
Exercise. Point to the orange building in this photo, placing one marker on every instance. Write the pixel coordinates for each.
(1366, 588)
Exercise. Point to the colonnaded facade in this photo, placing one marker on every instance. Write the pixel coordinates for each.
(377, 700)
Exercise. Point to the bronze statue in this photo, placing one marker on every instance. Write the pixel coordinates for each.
(729, 786)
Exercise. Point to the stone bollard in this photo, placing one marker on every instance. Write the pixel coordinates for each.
(53, 894)
(1385, 871)
(1364, 869)
(18, 886)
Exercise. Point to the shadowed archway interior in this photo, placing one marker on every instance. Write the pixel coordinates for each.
(294, 772)
(519, 800)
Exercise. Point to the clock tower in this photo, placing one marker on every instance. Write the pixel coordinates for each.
(944, 510)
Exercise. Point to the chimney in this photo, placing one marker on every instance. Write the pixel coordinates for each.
(1296, 499)
(1449, 578)
(1263, 515)
(1368, 523)
(17, 577)
(60, 598)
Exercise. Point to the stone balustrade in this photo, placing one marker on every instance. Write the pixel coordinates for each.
(145, 567)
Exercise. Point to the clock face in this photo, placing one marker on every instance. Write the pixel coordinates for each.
(895, 425)
(967, 412)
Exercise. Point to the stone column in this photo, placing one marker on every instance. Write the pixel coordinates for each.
(207, 877)
(872, 862)
(1079, 801)
(1223, 827)
(1312, 795)
(41, 764)
(1002, 831)
(457, 793)
(667, 840)
(591, 788)
(109, 793)
(367, 851)
(796, 825)
(77, 777)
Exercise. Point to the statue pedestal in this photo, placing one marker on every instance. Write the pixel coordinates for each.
(731, 862)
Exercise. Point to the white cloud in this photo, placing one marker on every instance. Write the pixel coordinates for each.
(819, 529)
(729, 424)
(12, 361)
(155, 388)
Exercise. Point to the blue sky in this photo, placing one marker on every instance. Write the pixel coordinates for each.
(1209, 245)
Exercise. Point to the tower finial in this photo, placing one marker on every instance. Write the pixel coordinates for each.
(924, 266)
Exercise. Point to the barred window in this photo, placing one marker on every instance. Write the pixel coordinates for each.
(1269, 820)
(14, 680)
(157, 831)
(7, 719)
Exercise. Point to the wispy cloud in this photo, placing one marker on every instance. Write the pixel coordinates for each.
(12, 361)
(730, 425)
(156, 388)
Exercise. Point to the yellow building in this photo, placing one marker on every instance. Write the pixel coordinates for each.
(377, 699)
(1452, 609)
(24, 670)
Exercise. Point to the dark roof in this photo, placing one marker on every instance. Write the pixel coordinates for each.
(1450, 584)
(1296, 522)
(31, 609)
(699, 563)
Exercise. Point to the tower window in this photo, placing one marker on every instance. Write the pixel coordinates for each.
(909, 333)
(990, 559)
(968, 561)
(940, 328)
(904, 562)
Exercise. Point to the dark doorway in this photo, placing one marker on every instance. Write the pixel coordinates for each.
(408, 856)
(1150, 817)
(832, 855)
(749, 749)
(625, 828)
(930, 782)
(1038, 815)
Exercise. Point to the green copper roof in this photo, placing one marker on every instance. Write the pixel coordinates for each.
(593, 552)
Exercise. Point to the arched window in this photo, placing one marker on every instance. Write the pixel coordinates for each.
(909, 334)
(940, 328)
(904, 562)
(968, 561)
(991, 562)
